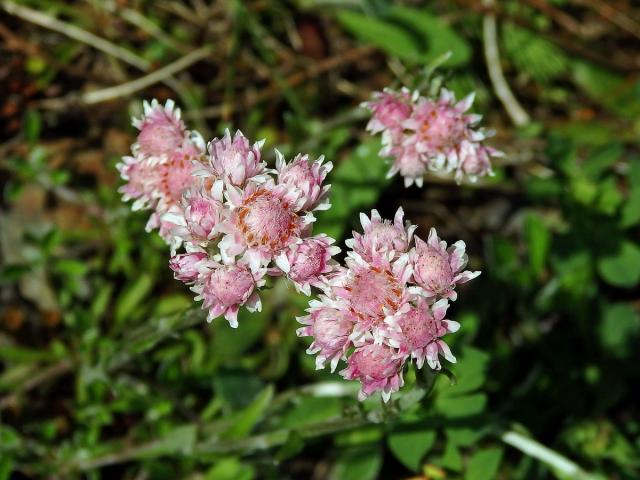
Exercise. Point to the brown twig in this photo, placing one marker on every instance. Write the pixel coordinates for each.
(48, 374)
(294, 80)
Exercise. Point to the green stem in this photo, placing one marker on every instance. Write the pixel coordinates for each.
(560, 464)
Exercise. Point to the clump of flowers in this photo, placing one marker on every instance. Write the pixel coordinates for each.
(161, 163)
(238, 221)
(388, 305)
(423, 134)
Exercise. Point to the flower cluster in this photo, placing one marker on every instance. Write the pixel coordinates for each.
(241, 222)
(238, 221)
(387, 305)
(422, 134)
(161, 163)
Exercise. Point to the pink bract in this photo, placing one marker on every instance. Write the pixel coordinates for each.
(185, 265)
(308, 262)
(423, 134)
(420, 329)
(330, 328)
(381, 236)
(234, 160)
(436, 269)
(307, 178)
(377, 367)
(223, 289)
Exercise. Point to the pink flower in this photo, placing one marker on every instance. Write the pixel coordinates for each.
(307, 262)
(161, 166)
(202, 210)
(223, 289)
(330, 328)
(234, 160)
(388, 110)
(162, 132)
(374, 292)
(307, 178)
(381, 236)
(436, 269)
(420, 329)
(422, 134)
(387, 305)
(474, 160)
(263, 222)
(185, 265)
(377, 367)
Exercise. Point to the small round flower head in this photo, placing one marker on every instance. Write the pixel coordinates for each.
(391, 313)
(374, 292)
(185, 265)
(223, 289)
(330, 328)
(162, 132)
(264, 221)
(161, 165)
(234, 160)
(202, 211)
(422, 134)
(419, 332)
(381, 236)
(377, 367)
(308, 261)
(306, 177)
(388, 110)
(474, 161)
(436, 269)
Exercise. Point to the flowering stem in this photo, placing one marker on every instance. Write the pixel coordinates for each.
(564, 467)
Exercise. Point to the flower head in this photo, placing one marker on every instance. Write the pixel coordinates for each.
(382, 236)
(307, 178)
(161, 165)
(419, 332)
(264, 220)
(185, 265)
(330, 328)
(377, 367)
(422, 134)
(234, 160)
(308, 262)
(223, 289)
(436, 269)
(382, 310)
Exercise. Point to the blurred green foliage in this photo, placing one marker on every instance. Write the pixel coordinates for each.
(107, 368)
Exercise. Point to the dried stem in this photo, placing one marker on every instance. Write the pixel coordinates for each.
(518, 115)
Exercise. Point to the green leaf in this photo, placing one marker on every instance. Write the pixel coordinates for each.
(244, 421)
(601, 159)
(621, 269)
(32, 125)
(230, 469)
(631, 209)
(619, 329)
(410, 446)
(484, 464)
(360, 463)
(178, 440)
(312, 410)
(538, 241)
(451, 457)
(532, 54)
(132, 297)
(386, 36)
(470, 372)
(464, 406)
(439, 38)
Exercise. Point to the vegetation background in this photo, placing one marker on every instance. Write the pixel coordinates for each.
(107, 368)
